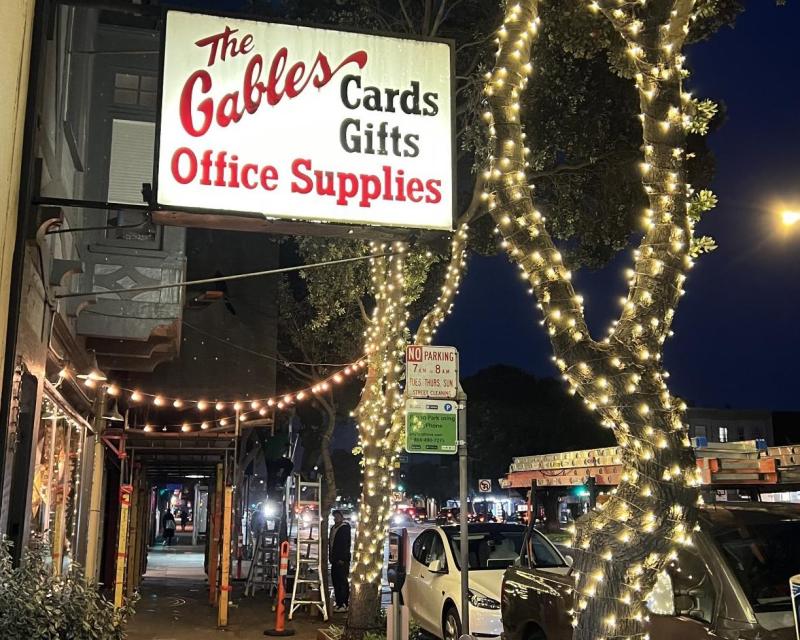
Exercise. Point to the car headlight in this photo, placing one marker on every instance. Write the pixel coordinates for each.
(477, 599)
(270, 510)
(397, 519)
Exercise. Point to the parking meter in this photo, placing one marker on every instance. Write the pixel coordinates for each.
(397, 621)
(396, 569)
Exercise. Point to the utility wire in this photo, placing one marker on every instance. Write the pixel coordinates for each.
(238, 276)
(285, 363)
(227, 342)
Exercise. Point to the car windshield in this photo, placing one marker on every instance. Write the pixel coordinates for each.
(763, 556)
(494, 548)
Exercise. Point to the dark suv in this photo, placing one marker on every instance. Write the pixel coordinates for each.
(733, 584)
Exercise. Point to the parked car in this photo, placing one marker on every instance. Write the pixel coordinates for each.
(433, 582)
(417, 514)
(400, 518)
(482, 517)
(448, 515)
(732, 584)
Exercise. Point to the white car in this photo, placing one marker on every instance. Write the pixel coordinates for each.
(433, 578)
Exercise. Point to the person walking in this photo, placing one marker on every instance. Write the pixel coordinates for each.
(169, 526)
(184, 519)
(339, 542)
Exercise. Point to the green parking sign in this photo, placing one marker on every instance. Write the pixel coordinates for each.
(431, 426)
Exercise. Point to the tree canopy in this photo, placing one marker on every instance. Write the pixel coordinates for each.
(513, 413)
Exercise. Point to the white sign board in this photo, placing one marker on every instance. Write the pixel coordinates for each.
(485, 486)
(307, 124)
(431, 372)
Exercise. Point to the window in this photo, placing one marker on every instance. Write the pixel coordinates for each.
(700, 431)
(543, 554)
(723, 434)
(684, 589)
(495, 548)
(763, 556)
(436, 552)
(422, 546)
(694, 594)
(661, 600)
(134, 89)
(131, 160)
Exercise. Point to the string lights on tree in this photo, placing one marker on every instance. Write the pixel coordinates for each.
(381, 411)
(625, 543)
(384, 347)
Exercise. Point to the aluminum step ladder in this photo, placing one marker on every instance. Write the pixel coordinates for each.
(307, 587)
(263, 573)
(265, 565)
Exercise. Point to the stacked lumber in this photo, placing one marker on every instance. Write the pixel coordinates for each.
(570, 468)
(738, 463)
(787, 458)
(605, 456)
(749, 462)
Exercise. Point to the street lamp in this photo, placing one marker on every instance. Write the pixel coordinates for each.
(790, 218)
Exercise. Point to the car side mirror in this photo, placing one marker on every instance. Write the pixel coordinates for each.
(569, 560)
(435, 566)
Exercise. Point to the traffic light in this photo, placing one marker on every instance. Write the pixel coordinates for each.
(581, 491)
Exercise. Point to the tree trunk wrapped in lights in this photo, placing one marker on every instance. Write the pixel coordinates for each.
(385, 343)
(381, 412)
(624, 543)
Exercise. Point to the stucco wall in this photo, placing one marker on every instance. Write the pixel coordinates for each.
(16, 25)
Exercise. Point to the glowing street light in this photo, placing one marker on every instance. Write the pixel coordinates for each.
(790, 218)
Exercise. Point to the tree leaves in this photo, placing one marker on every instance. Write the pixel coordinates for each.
(36, 604)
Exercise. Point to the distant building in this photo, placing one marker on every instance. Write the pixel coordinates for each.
(730, 425)
(786, 427)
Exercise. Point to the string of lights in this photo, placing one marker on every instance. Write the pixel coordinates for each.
(247, 409)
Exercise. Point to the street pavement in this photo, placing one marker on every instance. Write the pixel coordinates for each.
(174, 600)
(174, 604)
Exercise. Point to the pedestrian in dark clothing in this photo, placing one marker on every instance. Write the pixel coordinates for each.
(169, 527)
(184, 519)
(339, 556)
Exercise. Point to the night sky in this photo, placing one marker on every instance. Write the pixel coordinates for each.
(737, 330)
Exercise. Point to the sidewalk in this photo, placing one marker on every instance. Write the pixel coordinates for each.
(174, 604)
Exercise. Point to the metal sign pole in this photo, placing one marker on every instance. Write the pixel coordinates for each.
(463, 481)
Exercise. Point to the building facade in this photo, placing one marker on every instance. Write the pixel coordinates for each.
(731, 425)
(80, 163)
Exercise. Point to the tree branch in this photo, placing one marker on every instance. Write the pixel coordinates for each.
(679, 18)
(570, 168)
(363, 311)
(407, 17)
(522, 227)
(437, 21)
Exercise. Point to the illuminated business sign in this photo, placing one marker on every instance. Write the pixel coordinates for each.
(307, 124)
